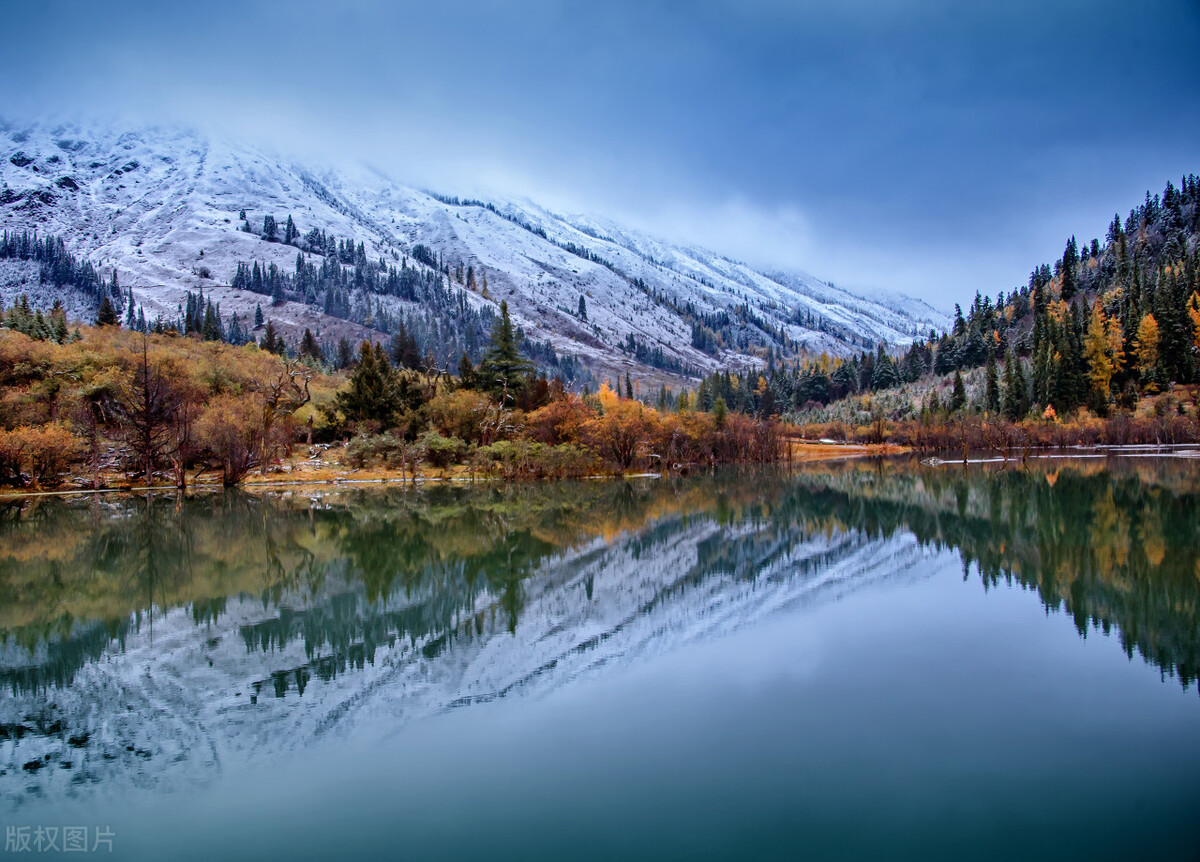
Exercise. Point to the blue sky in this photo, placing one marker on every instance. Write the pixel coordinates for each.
(932, 147)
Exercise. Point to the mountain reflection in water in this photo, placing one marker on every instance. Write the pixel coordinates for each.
(159, 629)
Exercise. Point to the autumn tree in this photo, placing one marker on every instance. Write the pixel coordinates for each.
(622, 432)
(187, 398)
(144, 405)
(1147, 351)
(43, 452)
(1098, 352)
(461, 414)
(94, 407)
(231, 433)
(281, 398)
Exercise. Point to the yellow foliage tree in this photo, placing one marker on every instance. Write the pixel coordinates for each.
(1147, 346)
(459, 414)
(621, 434)
(1116, 343)
(43, 452)
(1096, 350)
(230, 430)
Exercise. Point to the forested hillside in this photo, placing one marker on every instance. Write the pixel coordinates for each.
(1109, 322)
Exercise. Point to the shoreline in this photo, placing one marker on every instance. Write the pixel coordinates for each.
(801, 453)
(337, 476)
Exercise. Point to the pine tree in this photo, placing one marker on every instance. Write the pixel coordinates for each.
(345, 353)
(404, 349)
(720, 411)
(1069, 262)
(1013, 395)
(289, 231)
(236, 336)
(58, 323)
(884, 373)
(258, 316)
(107, 315)
(958, 398)
(270, 230)
(503, 369)
(270, 340)
(991, 397)
(582, 309)
(309, 349)
(466, 372)
(371, 394)
(211, 330)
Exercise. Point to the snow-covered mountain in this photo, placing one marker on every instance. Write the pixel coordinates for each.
(163, 206)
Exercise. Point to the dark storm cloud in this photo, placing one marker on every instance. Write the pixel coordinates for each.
(933, 147)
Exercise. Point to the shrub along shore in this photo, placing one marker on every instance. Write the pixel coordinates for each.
(110, 407)
(107, 407)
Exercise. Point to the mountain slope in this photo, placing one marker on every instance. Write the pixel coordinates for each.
(163, 207)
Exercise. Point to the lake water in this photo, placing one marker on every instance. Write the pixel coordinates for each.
(864, 660)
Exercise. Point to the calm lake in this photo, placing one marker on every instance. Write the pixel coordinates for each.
(860, 660)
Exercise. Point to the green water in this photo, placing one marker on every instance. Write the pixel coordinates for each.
(860, 660)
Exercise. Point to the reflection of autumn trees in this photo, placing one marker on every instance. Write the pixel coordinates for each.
(62, 565)
(352, 570)
(76, 573)
(1112, 547)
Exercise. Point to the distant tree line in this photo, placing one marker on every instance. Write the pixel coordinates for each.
(57, 266)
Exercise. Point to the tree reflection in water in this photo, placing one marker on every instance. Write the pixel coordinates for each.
(1113, 543)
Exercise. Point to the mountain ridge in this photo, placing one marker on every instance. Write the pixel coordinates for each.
(161, 206)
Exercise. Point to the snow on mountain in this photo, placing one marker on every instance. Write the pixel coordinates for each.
(162, 205)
